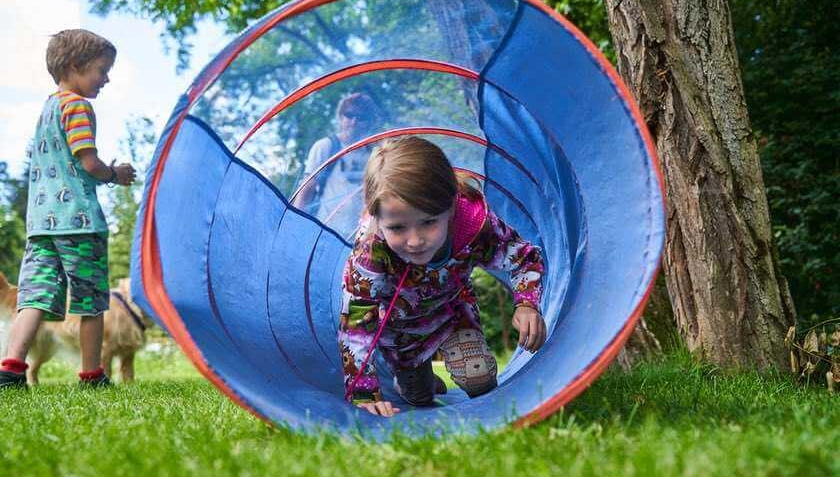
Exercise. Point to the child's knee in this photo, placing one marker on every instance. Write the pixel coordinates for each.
(470, 362)
(475, 375)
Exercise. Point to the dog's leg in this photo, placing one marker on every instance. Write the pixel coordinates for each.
(43, 349)
(107, 358)
(32, 372)
(127, 367)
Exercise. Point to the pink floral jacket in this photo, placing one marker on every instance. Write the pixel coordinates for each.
(430, 305)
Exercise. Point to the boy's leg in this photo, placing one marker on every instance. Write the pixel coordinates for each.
(85, 259)
(22, 333)
(41, 295)
(470, 361)
(90, 342)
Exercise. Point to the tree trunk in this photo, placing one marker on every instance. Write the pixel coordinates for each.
(730, 301)
(641, 345)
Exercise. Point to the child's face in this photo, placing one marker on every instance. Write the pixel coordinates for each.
(89, 80)
(413, 234)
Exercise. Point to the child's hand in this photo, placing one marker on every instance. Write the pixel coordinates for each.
(379, 408)
(125, 174)
(531, 328)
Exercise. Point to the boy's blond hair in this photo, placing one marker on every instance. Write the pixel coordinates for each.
(70, 50)
(415, 171)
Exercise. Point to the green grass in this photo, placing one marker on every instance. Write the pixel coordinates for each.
(673, 417)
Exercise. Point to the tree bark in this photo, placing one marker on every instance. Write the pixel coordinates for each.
(730, 300)
(641, 345)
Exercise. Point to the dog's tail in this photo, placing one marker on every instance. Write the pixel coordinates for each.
(4, 284)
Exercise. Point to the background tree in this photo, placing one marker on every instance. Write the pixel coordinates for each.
(791, 63)
(495, 305)
(730, 299)
(138, 145)
(12, 228)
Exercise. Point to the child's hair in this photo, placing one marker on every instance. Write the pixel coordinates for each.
(415, 171)
(73, 50)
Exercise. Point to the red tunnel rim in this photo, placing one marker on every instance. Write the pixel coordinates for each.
(152, 274)
(428, 130)
(351, 71)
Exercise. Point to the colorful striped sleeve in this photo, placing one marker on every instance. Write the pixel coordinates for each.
(78, 121)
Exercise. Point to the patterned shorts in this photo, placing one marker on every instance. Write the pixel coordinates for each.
(51, 262)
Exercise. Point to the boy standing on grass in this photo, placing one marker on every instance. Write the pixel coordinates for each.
(66, 231)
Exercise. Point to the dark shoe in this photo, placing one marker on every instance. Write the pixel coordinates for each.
(101, 382)
(416, 385)
(10, 380)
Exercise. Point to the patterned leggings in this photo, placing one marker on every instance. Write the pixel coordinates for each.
(468, 360)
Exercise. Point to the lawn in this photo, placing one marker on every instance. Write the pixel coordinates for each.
(672, 417)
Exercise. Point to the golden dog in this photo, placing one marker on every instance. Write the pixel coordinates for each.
(123, 336)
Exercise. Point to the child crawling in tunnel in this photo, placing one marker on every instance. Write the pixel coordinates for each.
(406, 289)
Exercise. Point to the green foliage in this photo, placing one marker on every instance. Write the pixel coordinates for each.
(180, 17)
(791, 68)
(14, 191)
(119, 246)
(12, 240)
(138, 145)
(495, 304)
(674, 417)
(12, 228)
(591, 17)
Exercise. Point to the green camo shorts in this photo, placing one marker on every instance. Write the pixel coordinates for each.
(51, 262)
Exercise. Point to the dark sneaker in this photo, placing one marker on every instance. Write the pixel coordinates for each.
(101, 382)
(440, 385)
(10, 380)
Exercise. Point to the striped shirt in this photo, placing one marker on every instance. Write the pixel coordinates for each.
(78, 121)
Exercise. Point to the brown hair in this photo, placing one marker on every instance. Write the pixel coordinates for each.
(358, 104)
(415, 171)
(70, 50)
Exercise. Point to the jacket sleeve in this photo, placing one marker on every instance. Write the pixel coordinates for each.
(499, 247)
(363, 284)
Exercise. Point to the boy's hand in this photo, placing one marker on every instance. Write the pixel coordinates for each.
(531, 328)
(379, 408)
(125, 174)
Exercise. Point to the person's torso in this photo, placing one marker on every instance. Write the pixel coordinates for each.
(344, 177)
(340, 202)
(62, 195)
